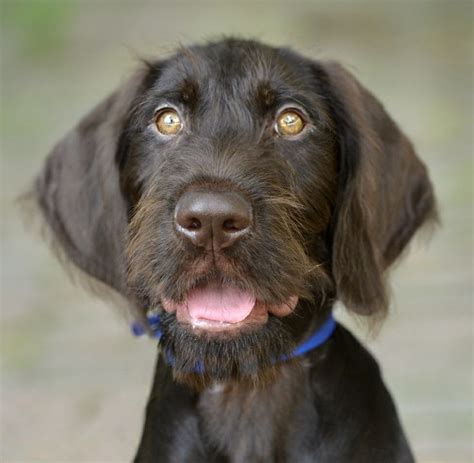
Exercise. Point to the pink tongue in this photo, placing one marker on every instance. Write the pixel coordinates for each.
(222, 304)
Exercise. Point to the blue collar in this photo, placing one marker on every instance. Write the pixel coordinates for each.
(318, 338)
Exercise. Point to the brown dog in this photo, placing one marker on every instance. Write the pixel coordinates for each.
(237, 191)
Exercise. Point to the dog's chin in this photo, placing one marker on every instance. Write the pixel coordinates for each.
(201, 355)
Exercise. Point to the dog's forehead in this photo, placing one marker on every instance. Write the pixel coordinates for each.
(235, 69)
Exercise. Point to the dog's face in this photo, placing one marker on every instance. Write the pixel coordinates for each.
(239, 189)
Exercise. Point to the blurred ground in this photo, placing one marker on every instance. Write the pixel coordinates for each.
(74, 382)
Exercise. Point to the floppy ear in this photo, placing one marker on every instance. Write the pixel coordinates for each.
(78, 190)
(384, 195)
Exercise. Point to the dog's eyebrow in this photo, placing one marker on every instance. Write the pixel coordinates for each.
(185, 93)
(266, 95)
(272, 97)
(189, 92)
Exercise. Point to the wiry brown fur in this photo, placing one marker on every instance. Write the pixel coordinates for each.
(331, 215)
(231, 410)
(332, 209)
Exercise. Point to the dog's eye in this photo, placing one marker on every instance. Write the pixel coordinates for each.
(289, 123)
(168, 122)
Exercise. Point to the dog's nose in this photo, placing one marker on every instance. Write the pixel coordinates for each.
(213, 220)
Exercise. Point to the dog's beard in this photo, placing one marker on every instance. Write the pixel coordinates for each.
(248, 356)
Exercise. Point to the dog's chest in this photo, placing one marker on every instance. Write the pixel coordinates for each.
(249, 423)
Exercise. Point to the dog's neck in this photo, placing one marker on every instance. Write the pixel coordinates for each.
(318, 337)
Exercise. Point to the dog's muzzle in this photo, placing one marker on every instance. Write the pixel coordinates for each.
(214, 221)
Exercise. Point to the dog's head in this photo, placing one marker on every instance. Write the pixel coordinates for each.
(240, 189)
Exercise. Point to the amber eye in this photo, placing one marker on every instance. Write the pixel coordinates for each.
(167, 122)
(289, 123)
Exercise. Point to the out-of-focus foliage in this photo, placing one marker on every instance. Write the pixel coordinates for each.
(39, 27)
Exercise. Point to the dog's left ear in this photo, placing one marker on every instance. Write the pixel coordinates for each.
(78, 190)
(384, 195)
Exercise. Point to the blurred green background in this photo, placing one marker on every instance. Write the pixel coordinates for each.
(74, 382)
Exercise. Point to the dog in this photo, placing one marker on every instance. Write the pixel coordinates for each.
(232, 193)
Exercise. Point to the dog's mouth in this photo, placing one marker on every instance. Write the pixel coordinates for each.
(221, 307)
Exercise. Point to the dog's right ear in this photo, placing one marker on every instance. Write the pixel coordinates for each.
(78, 190)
